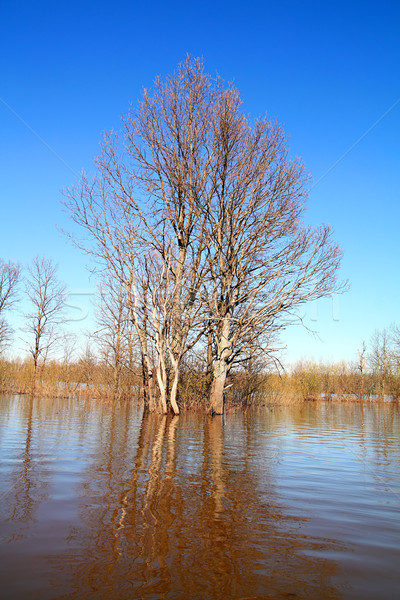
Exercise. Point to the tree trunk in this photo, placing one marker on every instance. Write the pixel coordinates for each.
(162, 386)
(209, 373)
(217, 387)
(174, 388)
(149, 397)
(117, 373)
(146, 386)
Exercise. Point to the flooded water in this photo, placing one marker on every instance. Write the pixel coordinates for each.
(294, 502)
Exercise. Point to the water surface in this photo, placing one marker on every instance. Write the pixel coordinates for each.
(104, 502)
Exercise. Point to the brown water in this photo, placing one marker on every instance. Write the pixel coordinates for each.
(296, 502)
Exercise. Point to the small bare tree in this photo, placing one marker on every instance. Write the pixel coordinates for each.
(380, 360)
(394, 332)
(47, 297)
(395, 345)
(115, 334)
(9, 277)
(6, 334)
(361, 367)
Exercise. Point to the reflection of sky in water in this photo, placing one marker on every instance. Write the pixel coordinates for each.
(345, 479)
(347, 459)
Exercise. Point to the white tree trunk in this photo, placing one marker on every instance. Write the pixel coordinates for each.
(174, 387)
(162, 384)
(217, 387)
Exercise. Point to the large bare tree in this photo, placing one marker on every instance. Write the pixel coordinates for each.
(197, 211)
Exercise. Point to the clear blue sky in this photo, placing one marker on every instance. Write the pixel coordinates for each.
(328, 71)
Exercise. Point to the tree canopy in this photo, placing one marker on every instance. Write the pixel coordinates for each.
(198, 212)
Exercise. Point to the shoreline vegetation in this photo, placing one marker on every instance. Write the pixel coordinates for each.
(306, 382)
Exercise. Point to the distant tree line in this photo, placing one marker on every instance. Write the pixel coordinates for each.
(374, 374)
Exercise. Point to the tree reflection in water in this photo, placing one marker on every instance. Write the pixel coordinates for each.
(190, 516)
(101, 502)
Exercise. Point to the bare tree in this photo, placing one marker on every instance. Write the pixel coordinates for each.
(380, 360)
(394, 332)
(9, 277)
(47, 297)
(114, 336)
(6, 334)
(113, 239)
(263, 263)
(198, 213)
(164, 157)
(361, 366)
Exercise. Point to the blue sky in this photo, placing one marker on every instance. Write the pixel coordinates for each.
(328, 71)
